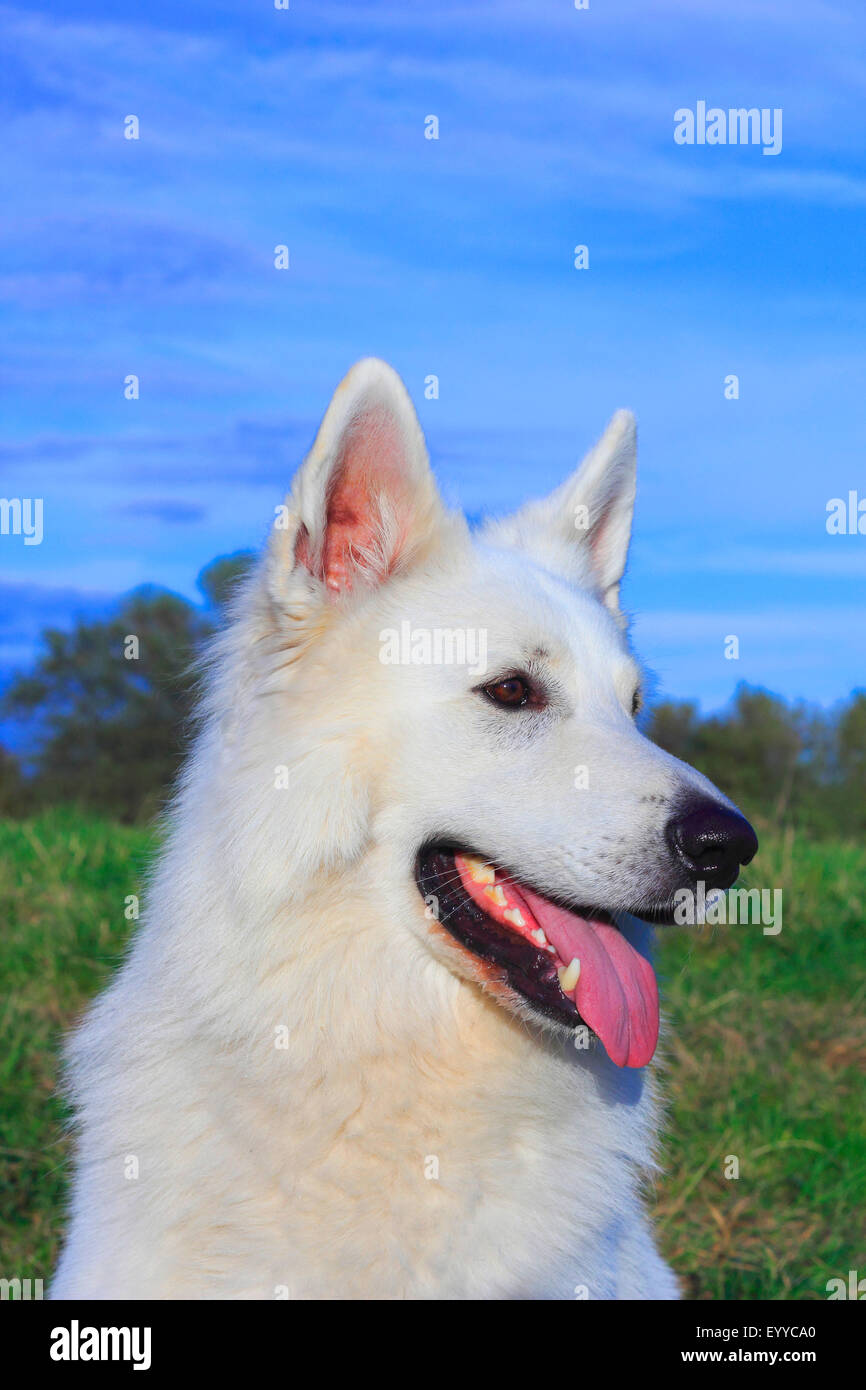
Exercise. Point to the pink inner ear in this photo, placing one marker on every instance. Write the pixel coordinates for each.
(371, 466)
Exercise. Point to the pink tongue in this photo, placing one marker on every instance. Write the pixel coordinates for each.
(617, 993)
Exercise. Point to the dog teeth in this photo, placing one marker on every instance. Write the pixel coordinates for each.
(480, 872)
(496, 896)
(569, 977)
(515, 917)
(539, 937)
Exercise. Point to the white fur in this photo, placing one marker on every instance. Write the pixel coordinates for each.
(265, 1170)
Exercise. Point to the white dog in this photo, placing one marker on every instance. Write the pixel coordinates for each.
(384, 1030)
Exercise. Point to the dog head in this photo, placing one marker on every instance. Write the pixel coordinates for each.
(458, 718)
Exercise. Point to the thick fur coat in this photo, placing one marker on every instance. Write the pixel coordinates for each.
(298, 1086)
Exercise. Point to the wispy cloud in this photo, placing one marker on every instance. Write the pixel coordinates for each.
(452, 257)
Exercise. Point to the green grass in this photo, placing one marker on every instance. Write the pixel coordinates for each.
(63, 881)
(766, 1058)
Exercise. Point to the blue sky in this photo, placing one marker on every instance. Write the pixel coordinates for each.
(306, 127)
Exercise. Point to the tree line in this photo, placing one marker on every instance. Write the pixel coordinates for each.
(107, 733)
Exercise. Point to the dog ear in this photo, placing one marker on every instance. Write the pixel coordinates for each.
(582, 529)
(364, 505)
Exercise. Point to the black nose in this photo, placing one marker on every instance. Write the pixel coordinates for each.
(712, 841)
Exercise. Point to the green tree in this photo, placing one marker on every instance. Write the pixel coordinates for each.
(110, 701)
(13, 788)
(785, 764)
(849, 802)
(219, 580)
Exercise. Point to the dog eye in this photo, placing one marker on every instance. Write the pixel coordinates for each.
(513, 691)
(636, 702)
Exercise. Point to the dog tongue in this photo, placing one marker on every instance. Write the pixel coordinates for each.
(617, 993)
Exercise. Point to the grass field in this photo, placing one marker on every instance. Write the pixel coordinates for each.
(766, 1058)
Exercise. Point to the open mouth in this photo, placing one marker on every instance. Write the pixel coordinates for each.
(572, 967)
